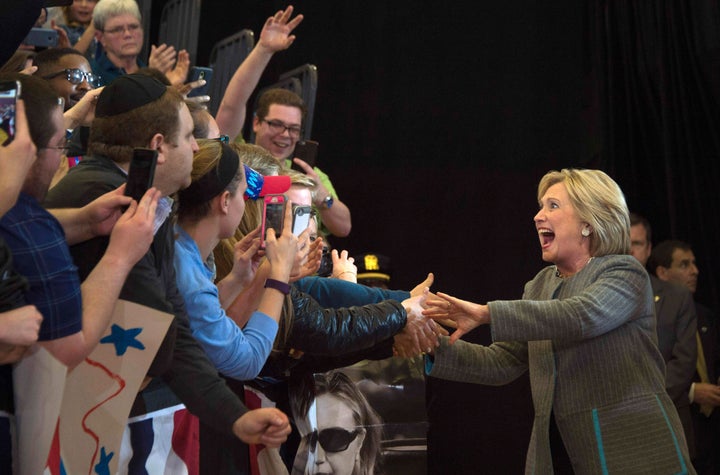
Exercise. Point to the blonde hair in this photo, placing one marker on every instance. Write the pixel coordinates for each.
(257, 158)
(263, 162)
(598, 201)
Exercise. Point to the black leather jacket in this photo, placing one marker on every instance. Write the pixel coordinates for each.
(332, 338)
(337, 331)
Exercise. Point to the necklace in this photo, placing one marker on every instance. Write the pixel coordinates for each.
(562, 276)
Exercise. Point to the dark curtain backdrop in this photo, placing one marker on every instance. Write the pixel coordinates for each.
(436, 121)
(655, 68)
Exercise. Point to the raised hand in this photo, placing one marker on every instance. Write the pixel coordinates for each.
(344, 267)
(275, 35)
(178, 74)
(162, 57)
(425, 284)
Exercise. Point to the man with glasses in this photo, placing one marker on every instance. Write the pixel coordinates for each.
(119, 32)
(278, 126)
(74, 317)
(68, 73)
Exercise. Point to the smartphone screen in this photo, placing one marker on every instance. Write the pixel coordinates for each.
(301, 219)
(307, 152)
(9, 91)
(196, 73)
(273, 214)
(141, 172)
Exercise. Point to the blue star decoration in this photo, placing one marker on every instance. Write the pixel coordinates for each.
(103, 466)
(123, 339)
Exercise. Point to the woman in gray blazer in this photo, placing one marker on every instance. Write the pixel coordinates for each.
(585, 330)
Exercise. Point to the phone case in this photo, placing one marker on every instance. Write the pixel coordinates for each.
(200, 72)
(273, 214)
(307, 152)
(141, 172)
(301, 219)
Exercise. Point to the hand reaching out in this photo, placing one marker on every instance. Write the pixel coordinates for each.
(425, 284)
(466, 315)
(344, 267)
(420, 333)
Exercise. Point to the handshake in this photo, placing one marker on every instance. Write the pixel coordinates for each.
(420, 334)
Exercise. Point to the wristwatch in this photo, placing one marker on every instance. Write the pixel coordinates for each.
(327, 202)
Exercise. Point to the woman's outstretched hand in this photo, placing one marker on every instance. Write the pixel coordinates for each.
(464, 315)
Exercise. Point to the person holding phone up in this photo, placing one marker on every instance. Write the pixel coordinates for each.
(210, 210)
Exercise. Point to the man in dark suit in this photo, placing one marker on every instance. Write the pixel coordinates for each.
(676, 328)
(674, 261)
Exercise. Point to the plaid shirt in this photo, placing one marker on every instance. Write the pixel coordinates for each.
(41, 255)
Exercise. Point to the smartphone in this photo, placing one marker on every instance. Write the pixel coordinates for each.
(273, 215)
(326, 264)
(301, 219)
(42, 38)
(305, 150)
(197, 73)
(9, 92)
(141, 172)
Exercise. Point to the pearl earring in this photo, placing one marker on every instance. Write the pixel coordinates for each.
(585, 232)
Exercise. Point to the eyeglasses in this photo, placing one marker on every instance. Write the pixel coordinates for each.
(131, 28)
(278, 127)
(75, 76)
(333, 439)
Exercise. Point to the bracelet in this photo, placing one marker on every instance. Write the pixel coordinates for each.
(345, 272)
(282, 287)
